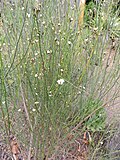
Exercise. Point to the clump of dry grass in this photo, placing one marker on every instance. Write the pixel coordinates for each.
(54, 78)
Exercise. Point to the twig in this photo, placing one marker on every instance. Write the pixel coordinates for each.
(30, 147)
(25, 108)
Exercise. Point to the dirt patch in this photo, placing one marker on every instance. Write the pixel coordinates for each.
(113, 107)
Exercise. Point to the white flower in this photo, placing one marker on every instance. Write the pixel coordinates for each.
(40, 15)
(3, 102)
(50, 94)
(101, 142)
(83, 87)
(59, 24)
(28, 15)
(36, 54)
(36, 75)
(79, 92)
(48, 52)
(69, 42)
(36, 102)
(33, 109)
(43, 22)
(71, 19)
(58, 43)
(60, 81)
(19, 110)
(61, 70)
(59, 31)
(53, 28)
(36, 40)
(100, 115)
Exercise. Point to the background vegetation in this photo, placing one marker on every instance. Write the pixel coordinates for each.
(54, 78)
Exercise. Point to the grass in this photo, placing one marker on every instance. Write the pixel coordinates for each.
(40, 45)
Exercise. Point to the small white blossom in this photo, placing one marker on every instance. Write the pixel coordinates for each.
(50, 94)
(36, 75)
(36, 40)
(48, 51)
(61, 70)
(71, 19)
(69, 42)
(33, 109)
(60, 81)
(40, 15)
(50, 128)
(59, 24)
(58, 43)
(28, 15)
(36, 102)
(100, 115)
(59, 31)
(43, 22)
(101, 142)
(53, 28)
(3, 102)
(83, 87)
(36, 54)
(19, 110)
(55, 39)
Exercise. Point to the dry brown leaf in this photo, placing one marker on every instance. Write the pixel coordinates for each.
(14, 147)
(80, 158)
(86, 138)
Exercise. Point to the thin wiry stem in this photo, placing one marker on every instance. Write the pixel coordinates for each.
(25, 108)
